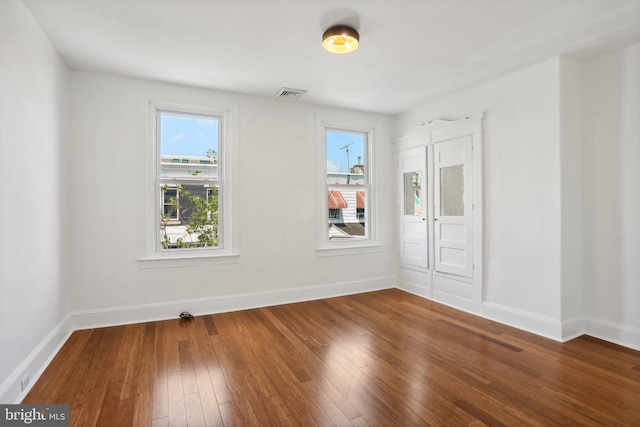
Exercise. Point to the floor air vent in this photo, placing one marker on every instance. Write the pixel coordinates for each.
(287, 92)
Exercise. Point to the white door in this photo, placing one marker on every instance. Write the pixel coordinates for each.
(413, 208)
(453, 209)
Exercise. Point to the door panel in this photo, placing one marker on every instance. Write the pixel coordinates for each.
(452, 232)
(413, 208)
(451, 256)
(453, 210)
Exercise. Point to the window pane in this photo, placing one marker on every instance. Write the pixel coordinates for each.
(452, 191)
(412, 194)
(361, 203)
(188, 145)
(346, 216)
(345, 158)
(170, 204)
(190, 217)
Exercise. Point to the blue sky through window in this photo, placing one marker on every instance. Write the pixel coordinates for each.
(188, 135)
(194, 136)
(338, 160)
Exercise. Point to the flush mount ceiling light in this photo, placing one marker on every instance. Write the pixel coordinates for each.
(340, 39)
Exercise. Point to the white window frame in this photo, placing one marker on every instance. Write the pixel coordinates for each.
(369, 243)
(224, 252)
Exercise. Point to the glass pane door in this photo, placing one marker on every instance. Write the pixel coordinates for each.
(452, 191)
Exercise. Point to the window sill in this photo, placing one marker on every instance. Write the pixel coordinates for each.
(186, 260)
(337, 250)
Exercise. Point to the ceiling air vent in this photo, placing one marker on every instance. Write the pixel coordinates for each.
(287, 92)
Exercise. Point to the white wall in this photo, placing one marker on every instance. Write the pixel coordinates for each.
(275, 200)
(33, 246)
(521, 188)
(612, 195)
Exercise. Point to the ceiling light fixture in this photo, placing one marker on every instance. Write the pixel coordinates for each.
(340, 39)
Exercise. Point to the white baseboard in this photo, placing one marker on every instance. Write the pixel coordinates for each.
(624, 335)
(170, 310)
(421, 291)
(457, 302)
(35, 363)
(530, 322)
(573, 328)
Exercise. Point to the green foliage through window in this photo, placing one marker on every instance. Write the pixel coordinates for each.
(191, 217)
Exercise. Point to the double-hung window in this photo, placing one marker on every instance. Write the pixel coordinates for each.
(190, 207)
(348, 214)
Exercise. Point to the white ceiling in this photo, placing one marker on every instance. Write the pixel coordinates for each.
(411, 51)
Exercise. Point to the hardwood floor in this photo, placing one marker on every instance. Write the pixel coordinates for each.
(384, 358)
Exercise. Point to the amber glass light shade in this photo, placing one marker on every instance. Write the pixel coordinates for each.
(340, 39)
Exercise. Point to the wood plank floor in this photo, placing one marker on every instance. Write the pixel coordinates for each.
(384, 358)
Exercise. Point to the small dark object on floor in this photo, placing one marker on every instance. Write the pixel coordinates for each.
(186, 315)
